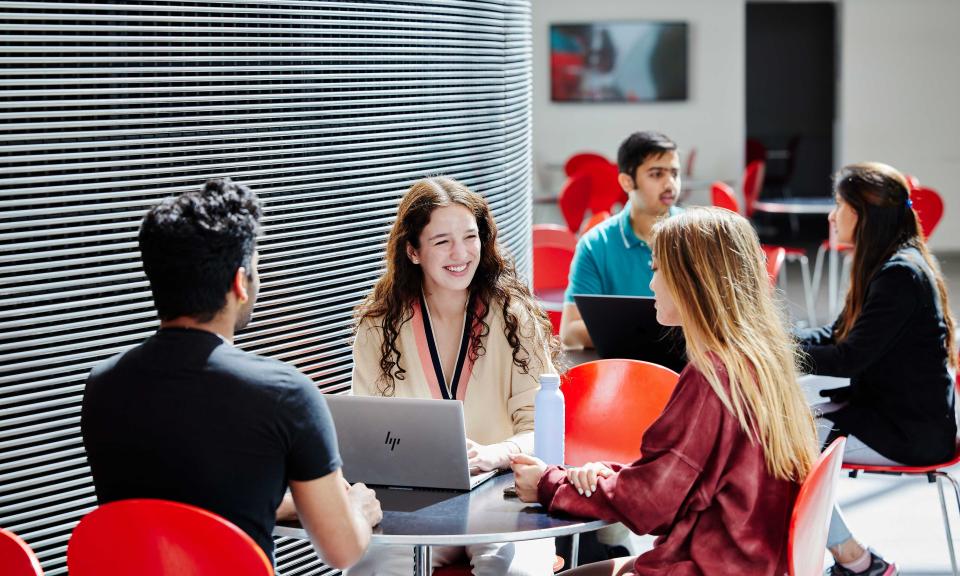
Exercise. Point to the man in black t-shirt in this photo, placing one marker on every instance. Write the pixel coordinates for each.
(186, 416)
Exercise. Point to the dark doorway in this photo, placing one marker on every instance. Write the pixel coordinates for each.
(791, 96)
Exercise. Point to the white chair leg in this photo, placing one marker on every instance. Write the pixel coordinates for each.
(818, 271)
(808, 290)
(940, 476)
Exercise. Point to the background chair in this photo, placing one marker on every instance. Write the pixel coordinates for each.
(723, 196)
(16, 557)
(630, 392)
(574, 199)
(553, 249)
(810, 519)
(775, 257)
(161, 538)
(935, 473)
(580, 160)
(752, 185)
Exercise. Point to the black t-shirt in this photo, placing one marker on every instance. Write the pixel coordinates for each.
(187, 417)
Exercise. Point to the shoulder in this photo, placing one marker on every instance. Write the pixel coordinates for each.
(258, 372)
(600, 235)
(905, 269)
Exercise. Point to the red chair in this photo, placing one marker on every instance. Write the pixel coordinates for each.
(723, 197)
(551, 271)
(775, 257)
(811, 513)
(630, 392)
(16, 557)
(161, 538)
(752, 185)
(553, 235)
(574, 199)
(594, 220)
(928, 205)
(935, 473)
(577, 162)
(605, 189)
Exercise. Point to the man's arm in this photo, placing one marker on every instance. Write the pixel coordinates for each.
(573, 330)
(337, 519)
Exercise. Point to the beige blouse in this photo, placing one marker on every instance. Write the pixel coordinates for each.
(497, 395)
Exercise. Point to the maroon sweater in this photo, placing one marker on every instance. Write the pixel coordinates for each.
(701, 485)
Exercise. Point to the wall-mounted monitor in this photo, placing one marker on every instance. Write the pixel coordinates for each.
(640, 61)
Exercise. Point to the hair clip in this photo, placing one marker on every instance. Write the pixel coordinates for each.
(909, 202)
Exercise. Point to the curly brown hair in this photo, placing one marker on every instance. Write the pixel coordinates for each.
(495, 281)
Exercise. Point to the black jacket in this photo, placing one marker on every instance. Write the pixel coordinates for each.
(901, 395)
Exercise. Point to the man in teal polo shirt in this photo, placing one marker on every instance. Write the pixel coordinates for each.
(614, 257)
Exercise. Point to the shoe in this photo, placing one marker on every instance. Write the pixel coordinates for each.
(878, 567)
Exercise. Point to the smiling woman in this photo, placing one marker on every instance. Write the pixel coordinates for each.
(450, 319)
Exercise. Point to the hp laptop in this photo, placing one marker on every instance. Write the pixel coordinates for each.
(627, 327)
(403, 442)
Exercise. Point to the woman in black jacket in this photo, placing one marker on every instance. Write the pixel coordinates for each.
(894, 339)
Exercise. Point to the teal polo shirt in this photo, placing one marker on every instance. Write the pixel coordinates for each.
(610, 259)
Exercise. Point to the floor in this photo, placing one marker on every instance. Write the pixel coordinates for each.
(900, 517)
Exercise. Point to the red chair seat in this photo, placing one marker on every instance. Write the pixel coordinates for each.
(16, 557)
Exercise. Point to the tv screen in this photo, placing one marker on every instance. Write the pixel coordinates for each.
(618, 62)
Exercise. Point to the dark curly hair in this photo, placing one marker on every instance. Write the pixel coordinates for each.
(495, 281)
(192, 245)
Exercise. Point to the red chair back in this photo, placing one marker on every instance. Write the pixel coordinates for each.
(811, 513)
(752, 184)
(775, 258)
(160, 538)
(929, 208)
(605, 189)
(577, 162)
(629, 392)
(594, 220)
(574, 199)
(16, 557)
(723, 196)
(553, 235)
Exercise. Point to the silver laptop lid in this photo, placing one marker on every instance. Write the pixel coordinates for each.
(407, 442)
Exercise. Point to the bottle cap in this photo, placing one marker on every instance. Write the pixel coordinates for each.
(550, 380)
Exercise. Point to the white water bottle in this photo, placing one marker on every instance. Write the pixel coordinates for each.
(548, 420)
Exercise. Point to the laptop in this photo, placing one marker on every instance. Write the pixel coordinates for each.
(403, 442)
(627, 327)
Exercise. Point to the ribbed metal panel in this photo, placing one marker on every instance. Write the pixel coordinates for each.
(329, 109)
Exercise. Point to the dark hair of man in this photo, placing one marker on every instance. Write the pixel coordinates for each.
(192, 245)
(639, 146)
(886, 222)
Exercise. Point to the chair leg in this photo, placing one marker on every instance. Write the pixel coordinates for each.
(575, 551)
(818, 271)
(808, 290)
(940, 476)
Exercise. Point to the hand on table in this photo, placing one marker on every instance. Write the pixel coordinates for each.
(486, 457)
(365, 503)
(527, 472)
(584, 478)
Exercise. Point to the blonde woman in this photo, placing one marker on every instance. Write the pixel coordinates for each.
(721, 467)
(450, 319)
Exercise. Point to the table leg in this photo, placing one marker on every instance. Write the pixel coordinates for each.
(574, 550)
(422, 560)
(833, 280)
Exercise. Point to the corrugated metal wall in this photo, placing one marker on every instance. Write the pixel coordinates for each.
(329, 109)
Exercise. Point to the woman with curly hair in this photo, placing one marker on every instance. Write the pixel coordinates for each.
(450, 319)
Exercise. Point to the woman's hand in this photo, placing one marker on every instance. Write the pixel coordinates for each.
(486, 457)
(584, 478)
(527, 472)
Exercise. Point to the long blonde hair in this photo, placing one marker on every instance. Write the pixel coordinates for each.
(714, 269)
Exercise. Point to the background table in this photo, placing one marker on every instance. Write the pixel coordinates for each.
(820, 205)
(481, 516)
